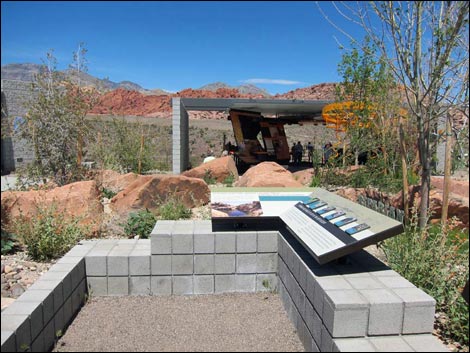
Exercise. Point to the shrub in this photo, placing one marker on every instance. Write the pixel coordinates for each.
(109, 194)
(228, 181)
(140, 223)
(209, 178)
(437, 262)
(173, 209)
(49, 234)
(8, 242)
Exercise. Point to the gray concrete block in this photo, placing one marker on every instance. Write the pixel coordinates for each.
(182, 243)
(345, 313)
(97, 286)
(203, 284)
(202, 227)
(8, 341)
(52, 278)
(139, 263)
(139, 285)
(45, 297)
(49, 336)
(245, 283)
(204, 243)
(38, 344)
(395, 282)
(323, 284)
(266, 263)
(310, 284)
(385, 312)
(364, 282)
(59, 322)
(182, 265)
(96, 265)
(20, 324)
(163, 227)
(224, 264)
(326, 341)
(267, 241)
(76, 300)
(74, 271)
(419, 310)
(118, 286)
(246, 263)
(118, 265)
(303, 277)
(31, 309)
(183, 285)
(161, 265)
(160, 285)
(352, 345)
(224, 283)
(425, 343)
(225, 242)
(390, 344)
(204, 264)
(266, 282)
(55, 286)
(161, 244)
(246, 242)
(68, 311)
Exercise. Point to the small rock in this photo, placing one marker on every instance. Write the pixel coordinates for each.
(17, 277)
(33, 268)
(17, 290)
(10, 275)
(8, 269)
(19, 268)
(3, 268)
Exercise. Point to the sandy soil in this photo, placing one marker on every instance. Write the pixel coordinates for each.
(229, 322)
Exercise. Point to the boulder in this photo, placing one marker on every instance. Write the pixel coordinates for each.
(304, 176)
(220, 169)
(80, 199)
(114, 181)
(150, 191)
(458, 187)
(268, 174)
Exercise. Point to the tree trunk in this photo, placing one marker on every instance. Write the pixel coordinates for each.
(139, 168)
(79, 149)
(447, 171)
(404, 167)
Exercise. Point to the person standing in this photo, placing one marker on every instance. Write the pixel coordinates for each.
(310, 152)
(298, 153)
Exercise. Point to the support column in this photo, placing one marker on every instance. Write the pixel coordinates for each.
(180, 136)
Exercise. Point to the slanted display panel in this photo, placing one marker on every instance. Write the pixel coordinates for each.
(327, 225)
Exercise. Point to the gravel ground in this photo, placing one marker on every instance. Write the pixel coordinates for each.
(228, 322)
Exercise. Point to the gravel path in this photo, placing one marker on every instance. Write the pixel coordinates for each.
(228, 322)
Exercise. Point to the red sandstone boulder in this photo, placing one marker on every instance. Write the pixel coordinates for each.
(458, 187)
(114, 181)
(304, 176)
(268, 174)
(150, 191)
(219, 168)
(80, 199)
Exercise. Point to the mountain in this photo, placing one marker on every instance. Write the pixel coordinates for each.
(20, 72)
(243, 89)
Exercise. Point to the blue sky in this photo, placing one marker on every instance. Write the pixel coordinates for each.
(279, 46)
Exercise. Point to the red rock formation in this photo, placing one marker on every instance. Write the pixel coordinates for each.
(268, 174)
(220, 169)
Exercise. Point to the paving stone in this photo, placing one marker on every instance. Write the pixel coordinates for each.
(31, 309)
(204, 264)
(203, 284)
(183, 285)
(98, 286)
(395, 282)
(352, 345)
(224, 283)
(322, 284)
(225, 242)
(161, 244)
(266, 263)
(425, 343)
(266, 282)
(45, 297)
(161, 285)
(246, 263)
(139, 285)
(246, 242)
(204, 243)
(161, 265)
(390, 344)
(8, 341)
(224, 264)
(182, 265)
(364, 282)
(267, 242)
(419, 310)
(21, 325)
(118, 286)
(245, 283)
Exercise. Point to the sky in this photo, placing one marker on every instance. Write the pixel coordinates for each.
(278, 46)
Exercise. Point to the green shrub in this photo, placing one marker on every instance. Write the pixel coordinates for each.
(228, 181)
(173, 209)
(8, 242)
(436, 262)
(140, 223)
(49, 234)
(109, 194)
(209, 178)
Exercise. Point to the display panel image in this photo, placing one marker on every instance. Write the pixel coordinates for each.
(236, 209)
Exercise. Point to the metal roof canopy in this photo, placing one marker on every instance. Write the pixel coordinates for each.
(290, 110)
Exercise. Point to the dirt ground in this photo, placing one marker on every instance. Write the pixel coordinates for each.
(228, 322)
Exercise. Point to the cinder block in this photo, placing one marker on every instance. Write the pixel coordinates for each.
(45, 297)
(31, 309)
(246, 242)
(161, 265)
(204, 243)
(225, 242)
(202, 226)
(224, 263)
(139, 285)
(390, 344)
(182, 243)
(64, 277)
(182, 265)
(303, 277)
(160, 285)
(68, 311)
(38, 344)
(266, 282)
(8, 341)
(395, 282)
(139, 263)
(323, 284)
(246, 263)
(314, 322)
(326, 341)
(267, 241)
(54, 285)
(425, 343)
(352, 345)
(345, 313)
(364, 283)
(20, 324)
(161, 244)
(419, 310)
(118, 286)
(72, 276)
(310, 283)
(49, 336)
(385, 312)
(59, 322)
(183, 285)
(118, 265)
(96, 265)
(245, 283)
(98, 286)
(204, 264)
(224, 283)
(266, 263)
(163, 227)
(143, 244)
(203, 284)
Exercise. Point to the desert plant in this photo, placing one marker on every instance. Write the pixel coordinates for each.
(173, 209)
(49, 234)
(8, 242)
(109, 194)
(140, 223)
(209, 178)
(229, 180)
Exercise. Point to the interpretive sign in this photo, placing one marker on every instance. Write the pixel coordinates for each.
(327, 225)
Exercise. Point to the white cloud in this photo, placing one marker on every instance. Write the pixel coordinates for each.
(271, 81)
